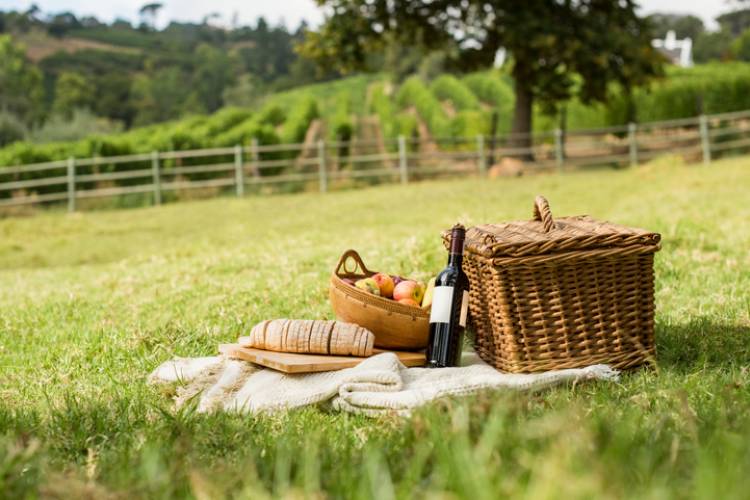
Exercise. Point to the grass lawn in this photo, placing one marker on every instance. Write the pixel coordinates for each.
(91, 302)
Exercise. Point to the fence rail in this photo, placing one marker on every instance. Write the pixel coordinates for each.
(327, 165)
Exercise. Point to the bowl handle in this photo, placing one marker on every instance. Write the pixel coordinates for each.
(346, 258)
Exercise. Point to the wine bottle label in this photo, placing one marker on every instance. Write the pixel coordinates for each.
(464, 309)
(442, 299)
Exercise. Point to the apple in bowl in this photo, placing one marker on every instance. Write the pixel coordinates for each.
(368, 285)
(385, 284)
(409, 289)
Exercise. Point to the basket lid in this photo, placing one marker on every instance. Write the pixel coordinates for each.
(544, 235)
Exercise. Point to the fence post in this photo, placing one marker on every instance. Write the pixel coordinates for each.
(255, 157)
(322, 169)
(705, 140)
(155, 173)
(71, 184)
(558, 149)
(633, 140)
(402, 164)
(239, 174)
(482, 159)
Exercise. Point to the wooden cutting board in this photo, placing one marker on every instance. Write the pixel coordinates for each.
(288, 362)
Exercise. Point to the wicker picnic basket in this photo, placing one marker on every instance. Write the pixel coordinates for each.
(556, 293)
(395, 326)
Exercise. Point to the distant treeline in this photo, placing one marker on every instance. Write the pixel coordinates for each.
(136, 75)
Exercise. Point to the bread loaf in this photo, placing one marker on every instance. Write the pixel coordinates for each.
(310, 336)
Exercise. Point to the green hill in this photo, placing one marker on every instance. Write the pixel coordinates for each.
(137, 75)
(373, 105)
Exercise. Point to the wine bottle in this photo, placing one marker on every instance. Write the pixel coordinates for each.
(450, 304)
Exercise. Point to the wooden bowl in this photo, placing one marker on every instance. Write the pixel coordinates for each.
(395, 326)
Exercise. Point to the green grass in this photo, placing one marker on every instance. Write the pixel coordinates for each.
(90, 303)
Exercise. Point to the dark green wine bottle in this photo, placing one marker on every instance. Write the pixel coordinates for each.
(450, 304)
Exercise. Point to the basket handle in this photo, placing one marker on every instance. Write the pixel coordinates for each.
(348, 256)
(543, 213)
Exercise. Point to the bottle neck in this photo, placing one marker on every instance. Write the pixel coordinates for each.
(455, 259)
(457, 246)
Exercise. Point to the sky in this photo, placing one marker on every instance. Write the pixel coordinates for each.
(290, 11)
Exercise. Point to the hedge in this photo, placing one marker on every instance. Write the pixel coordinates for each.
(413, 92)
(450, 88)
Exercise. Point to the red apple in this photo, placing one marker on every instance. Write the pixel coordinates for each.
(409, 302)
(409, 289)
(385, 283)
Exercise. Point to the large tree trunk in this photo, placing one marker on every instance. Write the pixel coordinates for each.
(521, 129)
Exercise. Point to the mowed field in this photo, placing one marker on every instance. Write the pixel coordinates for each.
(91, 302)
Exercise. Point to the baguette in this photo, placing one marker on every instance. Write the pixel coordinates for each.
(311, 336)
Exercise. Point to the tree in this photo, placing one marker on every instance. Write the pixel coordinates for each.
(160, 97)
(212, 16)
(61, 23)
(21, 90)
(735, 22)
(11, 129)
(246, 93)
(214, 71)
(713, 46)
(148, 14)
(113, 97)
(72, 91)
(684, 26)
(741, 47)
(559, 49)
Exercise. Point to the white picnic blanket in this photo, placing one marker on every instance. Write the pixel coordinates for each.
(380, 384)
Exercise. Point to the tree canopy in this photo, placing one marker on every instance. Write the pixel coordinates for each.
(559, 49)
(21, 91)
(683, 25)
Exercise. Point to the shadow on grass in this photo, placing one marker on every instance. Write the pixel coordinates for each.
(702, 342)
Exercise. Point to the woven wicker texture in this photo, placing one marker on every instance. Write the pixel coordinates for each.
(561, 293)
(545, 235)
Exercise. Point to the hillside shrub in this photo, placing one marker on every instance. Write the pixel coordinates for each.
(406, 125)
(223, 120)
(244, 132)
(341, 126)
(413, 92)
(82, 124)
(260, 126)
(741, 47)
(299, 118)
(272, 114)
(710, 89)
(494, 92)
(450, 88)
(382, 106)
(470, 123)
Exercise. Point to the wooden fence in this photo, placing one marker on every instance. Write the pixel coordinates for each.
(164, 175)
